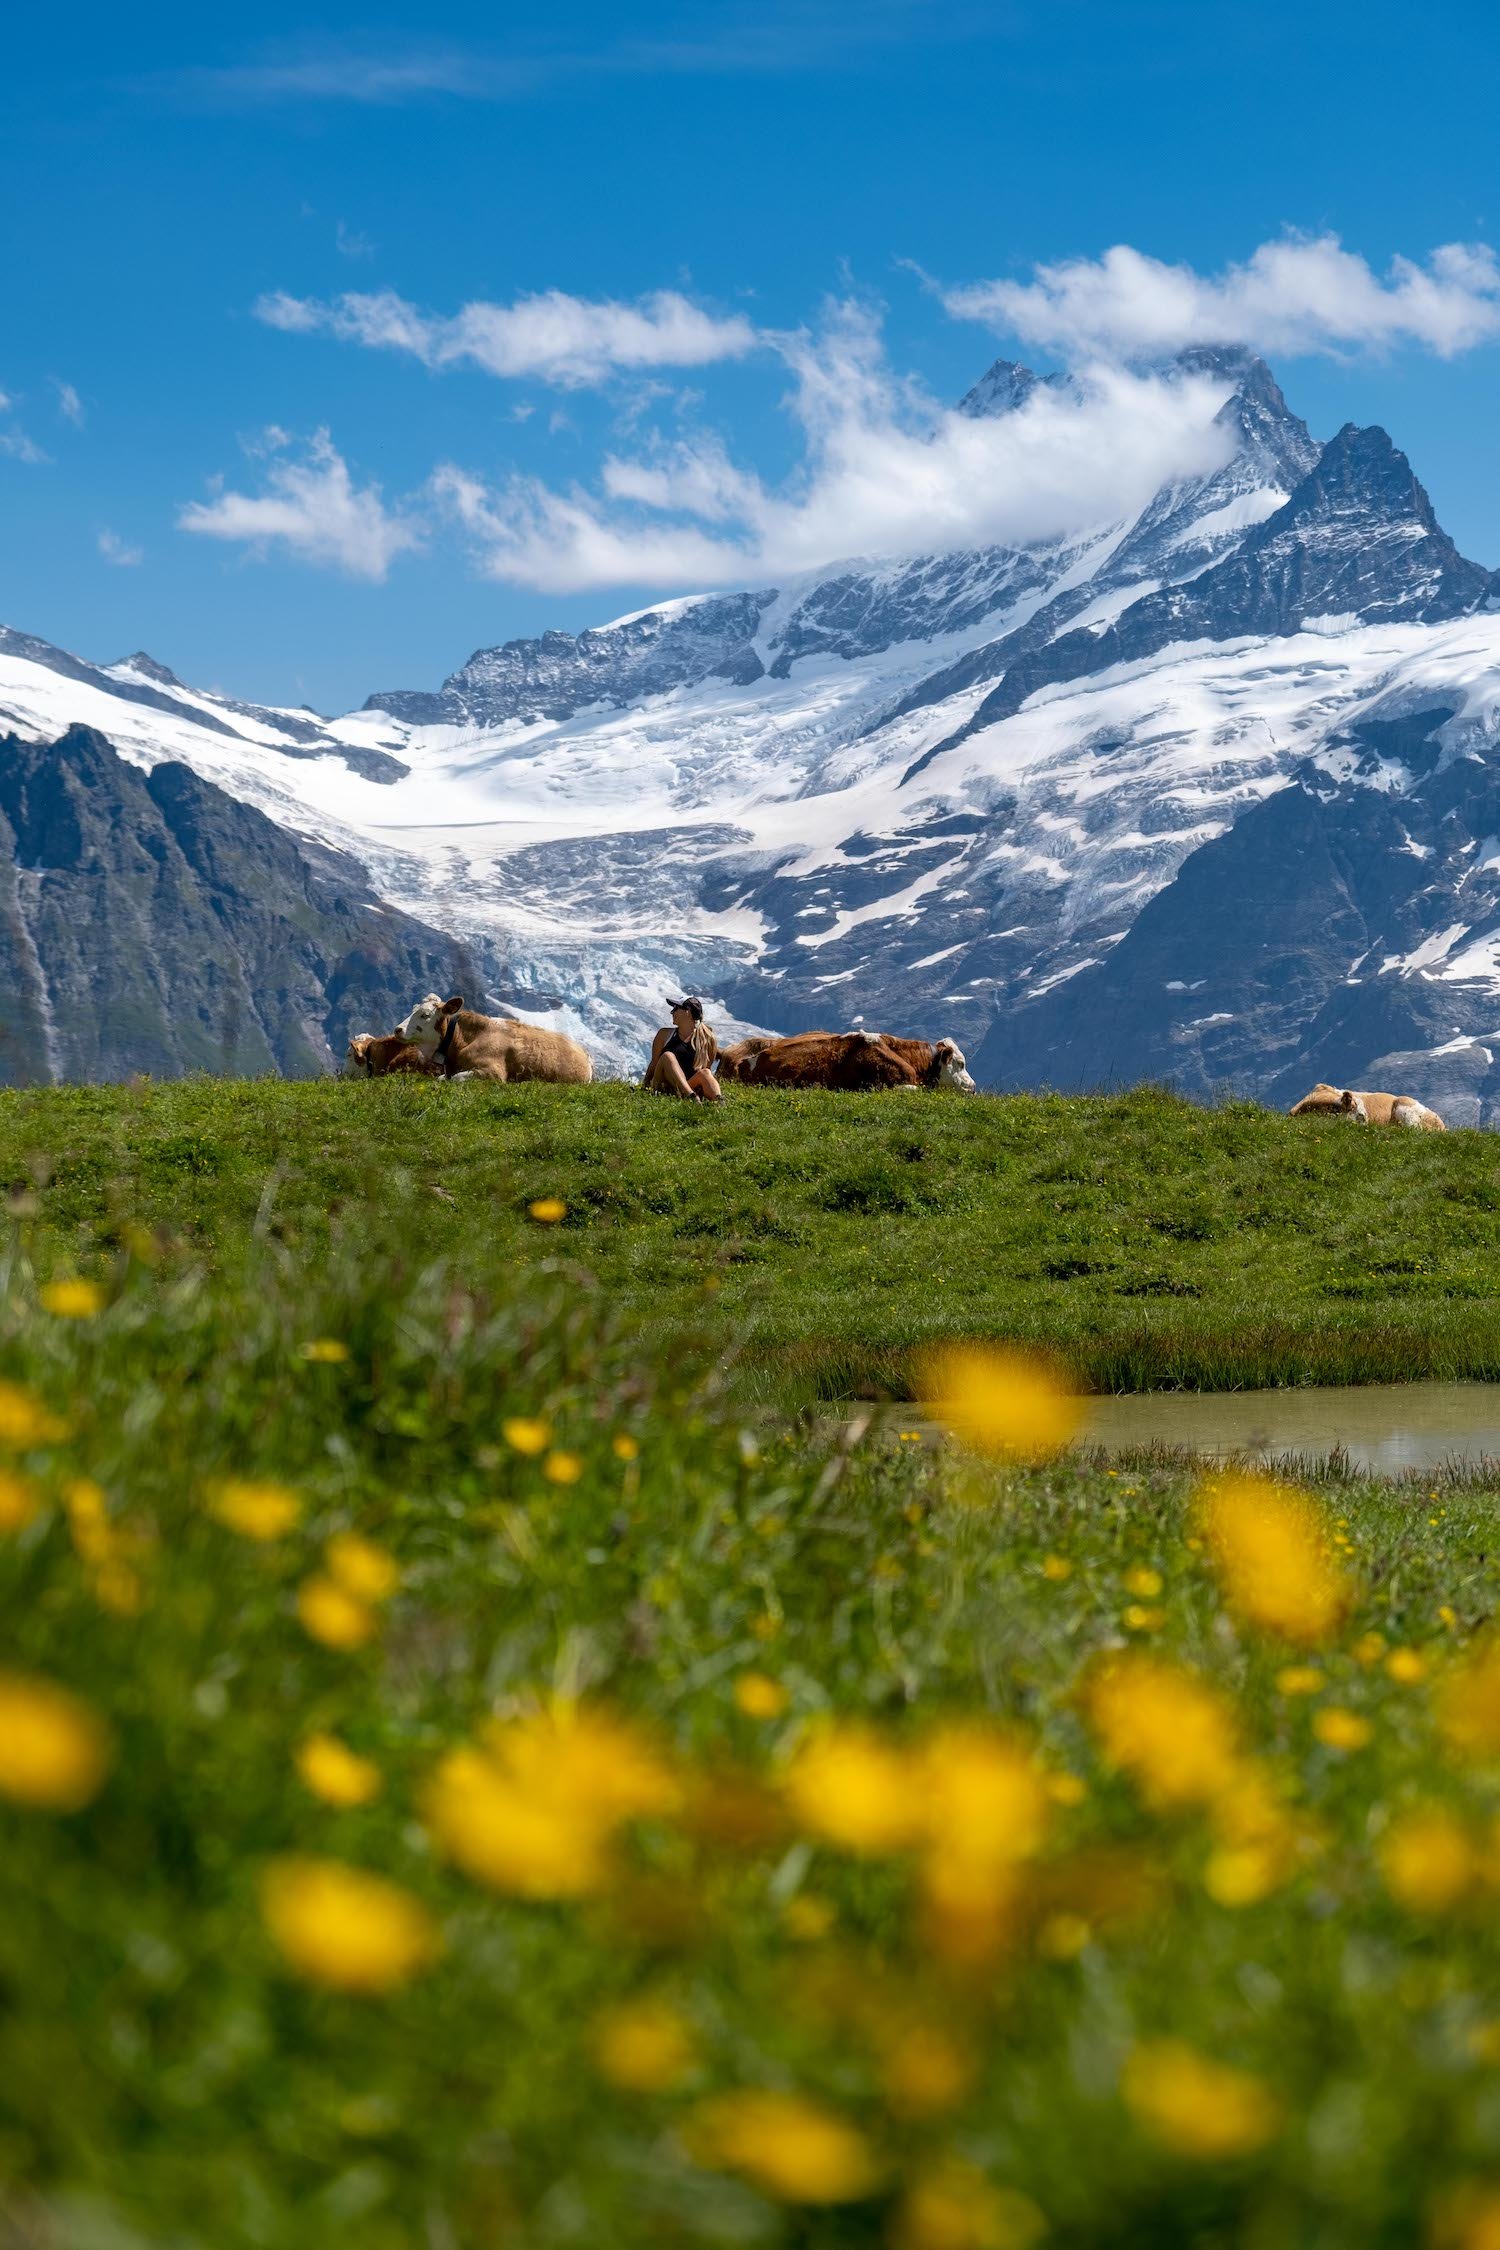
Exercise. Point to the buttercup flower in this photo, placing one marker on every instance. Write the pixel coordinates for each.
(340, 1927)
(758, 1696)
(54, 1749)
(527, 1435)
(1195, 2106)
(20, 1500)
(337, 1774)
(1428, 1860)
(548, 1210)
(360, 1567)
(24, 1421)
(851, 1788)
(255, 1511)
(643, 2046)
(1273, 1558)
(332, 1615)
(325, 1351)
(1008, 1404)
(954, 2207)
(785, 2145)
(74, 1299)
(1340, 1729)
(1170, 1731)
(563, 1468)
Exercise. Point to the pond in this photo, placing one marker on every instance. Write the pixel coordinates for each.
(1382, 1427)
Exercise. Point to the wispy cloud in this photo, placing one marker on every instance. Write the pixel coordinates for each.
(119, 551)
(1302, 294)
(885, 472)
(553, 337)
(69, 404)
(313, 509)
(350, 243)
(15, 444)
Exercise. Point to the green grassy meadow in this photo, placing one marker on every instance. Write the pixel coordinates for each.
(1148, 1241)
(479, 1767)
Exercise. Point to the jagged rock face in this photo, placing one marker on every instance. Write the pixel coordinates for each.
(150, 923)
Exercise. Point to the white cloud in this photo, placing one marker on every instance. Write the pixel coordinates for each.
(885, 473)
(557, 338)
(119, 551)
(350, 243)
(1298, 295)
(312, 507)
(69, 404)
(19, 447)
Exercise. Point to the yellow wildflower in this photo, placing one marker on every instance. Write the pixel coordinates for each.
(548, 1210)
(74, 1299)
(1195, 2106)
(1272, 1558)
(1428, 1860)
(852, 1788)
(332, 1615)
(1057, 1568)
(340, 1927)
(20, 1501)
(624, 1447)
(325, 1351)
(54, 1749)
(1408, 1665)
(954, 2207)
(1340, 1729)
(1147, 1584)
(785, 2145)
(563, 1468)
(758, 1696)
(1008, 1404)
(337, 1774)
(1469, 1706)
(1139, 1618)
(1369, 1648)
(808, 1918)
(1172, 1733)
(25, 1421)
(1299, 1679)
(255, 1511)
(526, 1435)
(644, 2046)
(1066, 1788)
(1449, 1616)
(360, 1567)
(923, 2069)
(982, 1796)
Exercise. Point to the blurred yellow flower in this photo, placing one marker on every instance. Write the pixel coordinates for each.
(758, 1696)
(360, 1567)
(954, 2207)
(325, 1351)
(1008, 1404)
(1408, 1665)
(74, 1299)
(624, 1447)
(533, 1810)
(1272, 1557)
(1066, 1788)
(255, 1511)
(1147, 1584)
(982, 1796)
(337, 1774)
(1195, 2106)
(1057, 1568)
(526, 1435)
(338, 1926)
(563, 1468)
(25, 1421)
(1449, 1616)
(1243, 1874)
(644, 2046)
(1139, 1618)
(20, 1500)
(853, 1789)
(54, 1749)
(332, 1615)
(1170, 1731)
(1341, 1730)
(784, 2144)
(1467, 2218)
(548, 1210)
(1428, 1860)
(1469, 1703)
(923, 2069)
(808, 1918)
(1369, 1648)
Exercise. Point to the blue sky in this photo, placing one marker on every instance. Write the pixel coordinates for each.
(842, 206)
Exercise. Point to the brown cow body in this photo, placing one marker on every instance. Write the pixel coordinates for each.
(843, 1062)
(469, 1045)
(1369, 1109)
(370, 1057)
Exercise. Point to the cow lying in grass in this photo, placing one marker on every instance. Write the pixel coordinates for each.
(466, 1044)
(845, 1062)
(1369, 1109)
(368, 1056)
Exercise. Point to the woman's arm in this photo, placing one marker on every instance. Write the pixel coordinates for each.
(657, 1045)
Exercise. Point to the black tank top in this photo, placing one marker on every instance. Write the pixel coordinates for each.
(683, 1050)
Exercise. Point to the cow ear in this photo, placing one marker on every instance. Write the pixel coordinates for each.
(1346, 1100)
(449, 1006)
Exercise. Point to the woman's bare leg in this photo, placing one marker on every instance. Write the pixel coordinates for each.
(704, 1084)
(670, 1080)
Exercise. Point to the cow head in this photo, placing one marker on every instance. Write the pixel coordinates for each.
(950, 1069)
(1352, 1107)
(357, 1055)
(425, 1026)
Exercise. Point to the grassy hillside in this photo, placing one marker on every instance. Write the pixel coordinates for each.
(458, 1787)
(1151, 1242)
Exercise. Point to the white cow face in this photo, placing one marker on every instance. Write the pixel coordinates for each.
(1354, 1109)
(952, 1069)
(355, 1064)
(424, 1026)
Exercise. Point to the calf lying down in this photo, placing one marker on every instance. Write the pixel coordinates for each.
(368, 1056)
(1369, 1109)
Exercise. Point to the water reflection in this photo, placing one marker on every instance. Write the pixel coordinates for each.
(1382, 1427)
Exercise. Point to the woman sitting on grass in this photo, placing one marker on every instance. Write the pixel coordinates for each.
(683, 1058)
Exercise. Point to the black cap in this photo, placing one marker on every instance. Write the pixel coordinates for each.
(693, 1007)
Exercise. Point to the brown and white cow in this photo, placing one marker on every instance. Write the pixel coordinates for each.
(1369, 1109)
(469, 1045)
(844, 1062)
(368, 1056)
